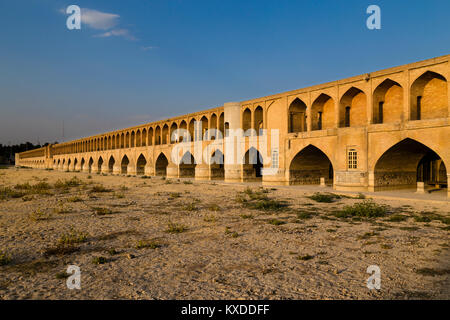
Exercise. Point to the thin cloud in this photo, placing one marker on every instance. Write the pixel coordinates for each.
(148, 48)
(99, 20)
(108, 22)
(116, 33)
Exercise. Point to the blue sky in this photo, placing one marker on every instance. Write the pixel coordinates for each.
(138, 61)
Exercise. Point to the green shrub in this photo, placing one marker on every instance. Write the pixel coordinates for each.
(151, 244)
(99, 260)
(72, 237)
(101, 211)
(276, 222)
(38, 215)
(175, 228)
(305, 257)
(365, 209)
(324, 197)
(5, 258)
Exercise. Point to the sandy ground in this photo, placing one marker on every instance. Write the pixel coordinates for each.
(227, 250)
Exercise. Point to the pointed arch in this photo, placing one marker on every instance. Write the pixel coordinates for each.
(258, 122)
(187, 165)
(252, 165)
(111, 163)
(322, 113)
(309, 165)
(406, 163)
(99, 164)
(429, 97)
(246, 120)
(387, 102)
(161, 165)
(124, 165)
(140, 165)
(353, 108)
(297, 116)
(173, 135)
(216, 163)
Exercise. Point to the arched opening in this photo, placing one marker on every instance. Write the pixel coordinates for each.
(409, 162)
(217, 165)
(165, 134)
(226, 129)
(99, 164)
(144, 138)
(297, 116)
(111, 163)
(122, 141)
(82, 164)
(158, 136)
(204, 123)
(150, 136)
(309, 165)
(192, 130)
(247, 121)
(352, 110)
(183, 131)
(90, 164)
(387, 102)
(258, 120)
(429, 97)
(140, 165)
(138, 138)
(187, 165)
(322, 113)
(75, 161)
(253, 165)
(173, 133)
(127, 140)
(213, 127)
(221, 126)
(68, 164)
(124, 165)
(161, 165)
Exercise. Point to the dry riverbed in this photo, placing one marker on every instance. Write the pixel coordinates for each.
(152, 238)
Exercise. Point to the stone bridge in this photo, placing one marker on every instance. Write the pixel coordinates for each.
(378, 131)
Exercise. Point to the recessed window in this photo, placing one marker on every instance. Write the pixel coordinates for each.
(275, 157)
(347, 117)
(352, 159)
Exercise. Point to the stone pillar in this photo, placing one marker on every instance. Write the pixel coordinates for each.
(322, 182)
(131, 169)
(117, 169)
(65, 167)
(233, 172)
(420, 187)
(105, 167)
(371, 186)
(77, 167)
(172, 171)
(202, 172)
(149, 170)
(448, 185)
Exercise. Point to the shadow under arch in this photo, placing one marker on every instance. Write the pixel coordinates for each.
(161, 165)
(216, 164)
(124, 165)
(252, 165)
(309, 165)
(111, 163)
(187, 165)
(406, 163)
(140, 165)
